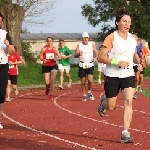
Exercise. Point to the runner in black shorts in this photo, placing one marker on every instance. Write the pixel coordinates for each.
(84, 52)
(49, 55)
(118, 53)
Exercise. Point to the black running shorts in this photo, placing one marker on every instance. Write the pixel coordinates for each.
(112, 85)
(47, 69)
(85, 72)
(13, 79)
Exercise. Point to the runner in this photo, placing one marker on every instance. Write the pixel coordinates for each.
(142, 52)
(5, 48)
(101, 68)
(121, 46)
(49, 55)
(64, 63)
(13, 61)
(84, 52)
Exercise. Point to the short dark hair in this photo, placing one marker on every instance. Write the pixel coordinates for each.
(61, 40)
(49, 38)
(120, 13)
(1, 16)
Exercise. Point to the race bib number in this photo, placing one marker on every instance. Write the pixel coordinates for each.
(123, 58)
(50, 56)
(11, 66)
(86, 65)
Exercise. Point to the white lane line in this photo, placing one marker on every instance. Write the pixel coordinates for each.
(101, 121)
(47, 134)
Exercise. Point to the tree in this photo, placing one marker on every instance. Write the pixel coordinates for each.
(103, 11)
(28, 11)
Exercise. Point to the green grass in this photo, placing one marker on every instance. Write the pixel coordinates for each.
(146, 93)
(31, 74)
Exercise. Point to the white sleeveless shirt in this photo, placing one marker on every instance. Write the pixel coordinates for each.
(3, 49)
(122, 50)
(87, 55)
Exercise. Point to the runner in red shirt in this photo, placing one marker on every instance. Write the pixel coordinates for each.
(13, 60)
(49, 55)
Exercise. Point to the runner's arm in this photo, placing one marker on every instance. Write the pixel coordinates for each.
(77, 52)
(96, 52)
(58, 55)
(136, 58)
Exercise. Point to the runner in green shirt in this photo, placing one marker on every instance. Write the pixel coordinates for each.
(64, 63)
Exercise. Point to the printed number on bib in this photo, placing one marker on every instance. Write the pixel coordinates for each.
(11, 66)
(50, 56)
(86, 65)
(123, 58)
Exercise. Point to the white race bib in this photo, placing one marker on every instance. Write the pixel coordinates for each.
(11, 66)
(123, 58)
(50, 56)
(87, 65)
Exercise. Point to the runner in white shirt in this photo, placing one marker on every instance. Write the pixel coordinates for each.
(121, 46)
(101, 68)
(84, 52)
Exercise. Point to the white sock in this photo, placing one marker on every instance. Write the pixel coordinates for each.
(89, 91)
(124, 131)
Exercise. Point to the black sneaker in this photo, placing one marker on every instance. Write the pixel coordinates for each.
(125, 138)
(101, 109)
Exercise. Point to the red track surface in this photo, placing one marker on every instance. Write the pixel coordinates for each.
(33, 122)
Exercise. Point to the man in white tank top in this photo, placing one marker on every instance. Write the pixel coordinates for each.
(84, 52)
(6, 48)
(121, 46)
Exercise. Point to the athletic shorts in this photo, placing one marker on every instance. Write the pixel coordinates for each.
(85, 72)
(136, 69)
(101, 67)
(47, 69)
(64, 68)
(13, 79)
(112, 85)
(3, 81)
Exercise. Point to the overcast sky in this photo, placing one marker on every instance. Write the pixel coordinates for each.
(68, 19)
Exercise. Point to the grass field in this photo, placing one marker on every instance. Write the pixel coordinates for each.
(31, 74)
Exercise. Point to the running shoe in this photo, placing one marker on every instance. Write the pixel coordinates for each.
(50, 97)
(8, 99)
(69, 83)
(101, 109)
(47, 91)
(1, 127)
(91, 96)
(84, 98)
(99, 81)
(16, 92)
(126, 138)
(61, 87)
(134, 96)
(140, 89)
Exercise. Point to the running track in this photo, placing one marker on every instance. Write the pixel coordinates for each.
(33, 122)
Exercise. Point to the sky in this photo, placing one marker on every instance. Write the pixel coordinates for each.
(68, 19)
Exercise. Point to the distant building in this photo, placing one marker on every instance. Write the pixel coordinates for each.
(38, 40)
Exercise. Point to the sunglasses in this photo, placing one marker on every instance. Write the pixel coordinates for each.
(61, 43)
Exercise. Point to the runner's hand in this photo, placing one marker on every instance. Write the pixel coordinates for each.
(45, 61)
(95, 59)
(6, 42)
(123, 64)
